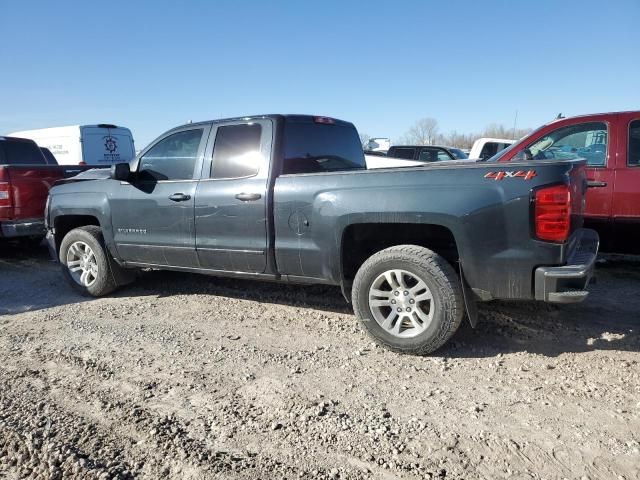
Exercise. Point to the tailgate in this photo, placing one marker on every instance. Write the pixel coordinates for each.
(28, 190)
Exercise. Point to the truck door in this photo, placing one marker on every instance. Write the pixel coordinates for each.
(231, 204)
(626, 193)
(152, 215)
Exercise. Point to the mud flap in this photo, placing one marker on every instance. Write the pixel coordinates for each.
(346, 291)
(469, 302)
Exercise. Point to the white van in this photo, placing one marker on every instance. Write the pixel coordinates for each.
(485, 148)
(99, 145)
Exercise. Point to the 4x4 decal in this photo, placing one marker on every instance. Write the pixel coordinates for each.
(528, 175)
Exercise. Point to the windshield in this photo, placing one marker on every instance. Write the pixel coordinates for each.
(459, 154)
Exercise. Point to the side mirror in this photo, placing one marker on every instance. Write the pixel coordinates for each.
(120, 171)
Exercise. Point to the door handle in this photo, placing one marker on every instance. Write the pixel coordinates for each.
(248, 197)
(596, 184)
(179, 197)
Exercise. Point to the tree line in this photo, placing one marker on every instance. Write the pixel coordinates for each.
(427, 132)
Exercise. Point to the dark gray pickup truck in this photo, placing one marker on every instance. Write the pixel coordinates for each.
(288, 198)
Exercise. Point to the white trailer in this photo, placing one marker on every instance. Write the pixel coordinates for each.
(100, 145)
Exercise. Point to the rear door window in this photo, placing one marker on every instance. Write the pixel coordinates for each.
(20, 152)
(236, 153)
(311, 147)
(403, 152)
(634, 143)
(172, 158)
(428, 155)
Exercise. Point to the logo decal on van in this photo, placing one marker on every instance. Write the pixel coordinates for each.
(110, 144)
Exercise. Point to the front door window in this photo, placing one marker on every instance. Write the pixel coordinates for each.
(172, 158)
(585, 140)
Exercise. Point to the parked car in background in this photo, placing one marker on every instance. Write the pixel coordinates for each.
(426, 153)
(288, 198)
(98, 145)
(458, 153)
(610, 143)
(49, 157)
(25, 180)
(485, 148)
(378, 144)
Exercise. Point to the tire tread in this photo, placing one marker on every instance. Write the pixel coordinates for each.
(444, 275)
(106, 284)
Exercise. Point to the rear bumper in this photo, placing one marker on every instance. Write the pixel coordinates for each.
(22, 228)
(568, 283)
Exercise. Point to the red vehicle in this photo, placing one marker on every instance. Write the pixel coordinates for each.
(610, 142)
(25, 179)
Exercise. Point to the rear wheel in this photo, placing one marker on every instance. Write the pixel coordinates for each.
(409, 299)
(86, 263)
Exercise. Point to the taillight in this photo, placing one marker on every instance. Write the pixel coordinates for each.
(553, 213)
(4, 194)
(5, 189)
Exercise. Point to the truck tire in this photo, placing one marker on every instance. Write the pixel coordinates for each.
(86, 263)
(409, 299)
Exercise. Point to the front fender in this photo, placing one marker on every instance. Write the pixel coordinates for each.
(83, 204)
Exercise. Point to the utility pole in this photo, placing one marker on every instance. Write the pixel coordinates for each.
(515, 122)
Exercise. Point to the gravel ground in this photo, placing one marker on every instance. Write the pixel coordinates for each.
(185, 376)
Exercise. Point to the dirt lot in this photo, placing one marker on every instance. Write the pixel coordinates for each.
(185, 376)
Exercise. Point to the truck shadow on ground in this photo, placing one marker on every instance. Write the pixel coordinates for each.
(608, 320)
(30, 281)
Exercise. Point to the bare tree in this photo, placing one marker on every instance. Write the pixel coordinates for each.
(500, 131)
(364, 138)
(494, 130)
(423, 132)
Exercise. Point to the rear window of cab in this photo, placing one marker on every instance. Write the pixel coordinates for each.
(20, 152)
(312, 147)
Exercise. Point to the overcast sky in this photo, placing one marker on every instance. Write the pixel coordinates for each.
(152, 65)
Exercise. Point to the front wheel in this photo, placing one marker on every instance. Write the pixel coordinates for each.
(409, 299)
(85, 262)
